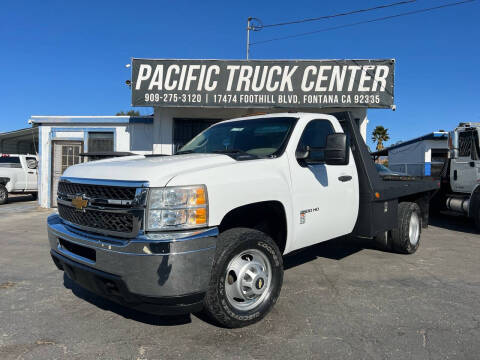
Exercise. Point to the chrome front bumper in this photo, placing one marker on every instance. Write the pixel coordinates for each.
(156, 265)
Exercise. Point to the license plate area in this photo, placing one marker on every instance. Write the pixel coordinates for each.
(79, 250)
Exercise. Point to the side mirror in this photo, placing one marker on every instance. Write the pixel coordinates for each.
(32, 164)
(303, 154)
(337, 150)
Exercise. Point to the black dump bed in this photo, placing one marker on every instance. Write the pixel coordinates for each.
(379, 196)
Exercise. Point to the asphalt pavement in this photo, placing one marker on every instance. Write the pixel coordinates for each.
(340, 299)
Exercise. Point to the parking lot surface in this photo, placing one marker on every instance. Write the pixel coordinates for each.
(340, 299)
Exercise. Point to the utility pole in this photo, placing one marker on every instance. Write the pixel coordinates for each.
(248, 37)
(253, 24)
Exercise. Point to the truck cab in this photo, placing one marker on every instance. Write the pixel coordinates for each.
(18, 174)
(207, 228)
(460, 176)
(465, 157)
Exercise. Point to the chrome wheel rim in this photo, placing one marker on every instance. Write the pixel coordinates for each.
(414, 229)
(248, 280)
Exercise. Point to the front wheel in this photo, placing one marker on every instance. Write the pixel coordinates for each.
(3, 194)
(246, 278)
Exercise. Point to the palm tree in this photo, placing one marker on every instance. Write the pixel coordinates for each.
(379, 135)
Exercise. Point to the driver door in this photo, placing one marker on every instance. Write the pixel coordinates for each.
(325, 196)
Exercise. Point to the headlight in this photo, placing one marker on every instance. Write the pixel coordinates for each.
(173, 208)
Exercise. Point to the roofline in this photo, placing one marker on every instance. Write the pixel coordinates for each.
(13, 132)
(436, 135)
(120, 119)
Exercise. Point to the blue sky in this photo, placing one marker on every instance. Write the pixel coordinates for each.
(68, 58)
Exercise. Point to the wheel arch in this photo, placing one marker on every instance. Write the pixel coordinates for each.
(267, 216)
(4, 180)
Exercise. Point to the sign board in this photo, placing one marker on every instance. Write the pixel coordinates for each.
(263, 83)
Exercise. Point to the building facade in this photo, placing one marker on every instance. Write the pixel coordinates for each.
(63, 139)
(422, 156)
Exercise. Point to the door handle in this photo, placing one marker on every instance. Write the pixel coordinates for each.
(344, 178)
(31, 172)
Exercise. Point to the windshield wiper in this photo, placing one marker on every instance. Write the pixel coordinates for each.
(235, 152)
(184, 152)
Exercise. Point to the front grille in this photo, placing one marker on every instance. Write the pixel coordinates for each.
(115, 222)
(97, 191)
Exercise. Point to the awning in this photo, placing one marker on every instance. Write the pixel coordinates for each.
(23, 141)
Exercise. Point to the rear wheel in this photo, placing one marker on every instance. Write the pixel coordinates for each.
(475, 203)
(3, 194)
(406, 236)
(246, 278)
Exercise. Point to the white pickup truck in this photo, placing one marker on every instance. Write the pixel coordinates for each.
(18, 174)
(207, 228)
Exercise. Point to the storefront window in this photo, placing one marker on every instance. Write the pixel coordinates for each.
(100, 142)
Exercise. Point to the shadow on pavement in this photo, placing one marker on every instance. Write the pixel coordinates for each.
(126, 312)
(335, 249)
(15, 198)
(453, 222)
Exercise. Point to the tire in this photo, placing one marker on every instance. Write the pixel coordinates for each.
(476, 217)
(475, 203)
(34, 196)
(239, 249)
(477, 221)
(3, 195)
(383, 241)
(406, 236)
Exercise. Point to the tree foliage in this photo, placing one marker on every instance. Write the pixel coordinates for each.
(129, 113)
(379, 136)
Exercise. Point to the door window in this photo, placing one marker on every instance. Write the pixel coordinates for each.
(70, 156)
(315, 136)
(468, 145)
(10, 162)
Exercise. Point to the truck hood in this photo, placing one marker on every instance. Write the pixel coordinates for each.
(157, 170)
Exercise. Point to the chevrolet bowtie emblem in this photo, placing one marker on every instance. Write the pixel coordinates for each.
(79, 202)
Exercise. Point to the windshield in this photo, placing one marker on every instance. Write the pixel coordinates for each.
(263, 137)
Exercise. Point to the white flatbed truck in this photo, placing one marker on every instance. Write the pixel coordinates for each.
(207, 228)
